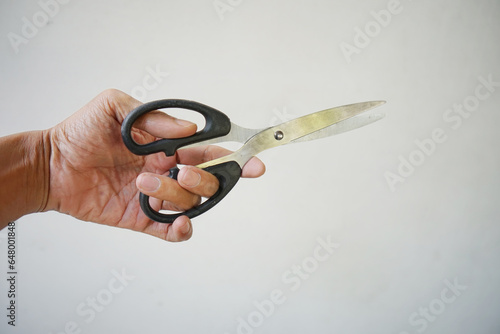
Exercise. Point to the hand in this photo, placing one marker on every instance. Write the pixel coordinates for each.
(94, 177)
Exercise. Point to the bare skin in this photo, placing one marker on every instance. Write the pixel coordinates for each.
(82, 168)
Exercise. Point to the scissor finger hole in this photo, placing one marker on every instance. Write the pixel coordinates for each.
(162, 206)
(167, 207)
(164, 123)
(188, 115)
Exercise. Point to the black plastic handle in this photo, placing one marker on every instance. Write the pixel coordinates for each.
(228, 174)
(217, 124)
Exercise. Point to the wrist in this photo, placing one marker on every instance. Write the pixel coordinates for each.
(24, 174)
(41, 169)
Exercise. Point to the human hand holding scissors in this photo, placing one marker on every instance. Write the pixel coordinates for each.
(81, 166)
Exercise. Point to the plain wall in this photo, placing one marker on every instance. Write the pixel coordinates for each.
(397, 250)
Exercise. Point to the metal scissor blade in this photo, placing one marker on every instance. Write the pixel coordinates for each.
(341, 127)
(312, 125)
(237, 134)
(294, 129)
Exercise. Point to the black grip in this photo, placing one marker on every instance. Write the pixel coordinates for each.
(228, 174)
(217, 124)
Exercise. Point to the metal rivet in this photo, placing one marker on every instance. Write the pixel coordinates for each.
(278, 135)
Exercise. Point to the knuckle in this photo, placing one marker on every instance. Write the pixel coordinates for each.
(112, 94)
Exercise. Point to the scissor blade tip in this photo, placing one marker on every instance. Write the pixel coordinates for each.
(373, 104)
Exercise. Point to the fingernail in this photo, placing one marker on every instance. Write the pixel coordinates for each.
(183, 123)
(191, 178)
(149, 183)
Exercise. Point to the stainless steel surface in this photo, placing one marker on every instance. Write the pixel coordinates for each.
(237, 134)
(341, 127)
(293, 130)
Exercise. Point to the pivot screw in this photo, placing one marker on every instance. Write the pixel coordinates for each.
(278, 135)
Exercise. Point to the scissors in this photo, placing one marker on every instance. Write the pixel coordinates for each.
(219, 128)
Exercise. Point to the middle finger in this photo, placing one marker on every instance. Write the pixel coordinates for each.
(167, 189)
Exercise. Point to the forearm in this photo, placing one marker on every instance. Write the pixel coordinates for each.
(24, 174)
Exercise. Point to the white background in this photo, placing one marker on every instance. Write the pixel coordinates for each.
(258, 63)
